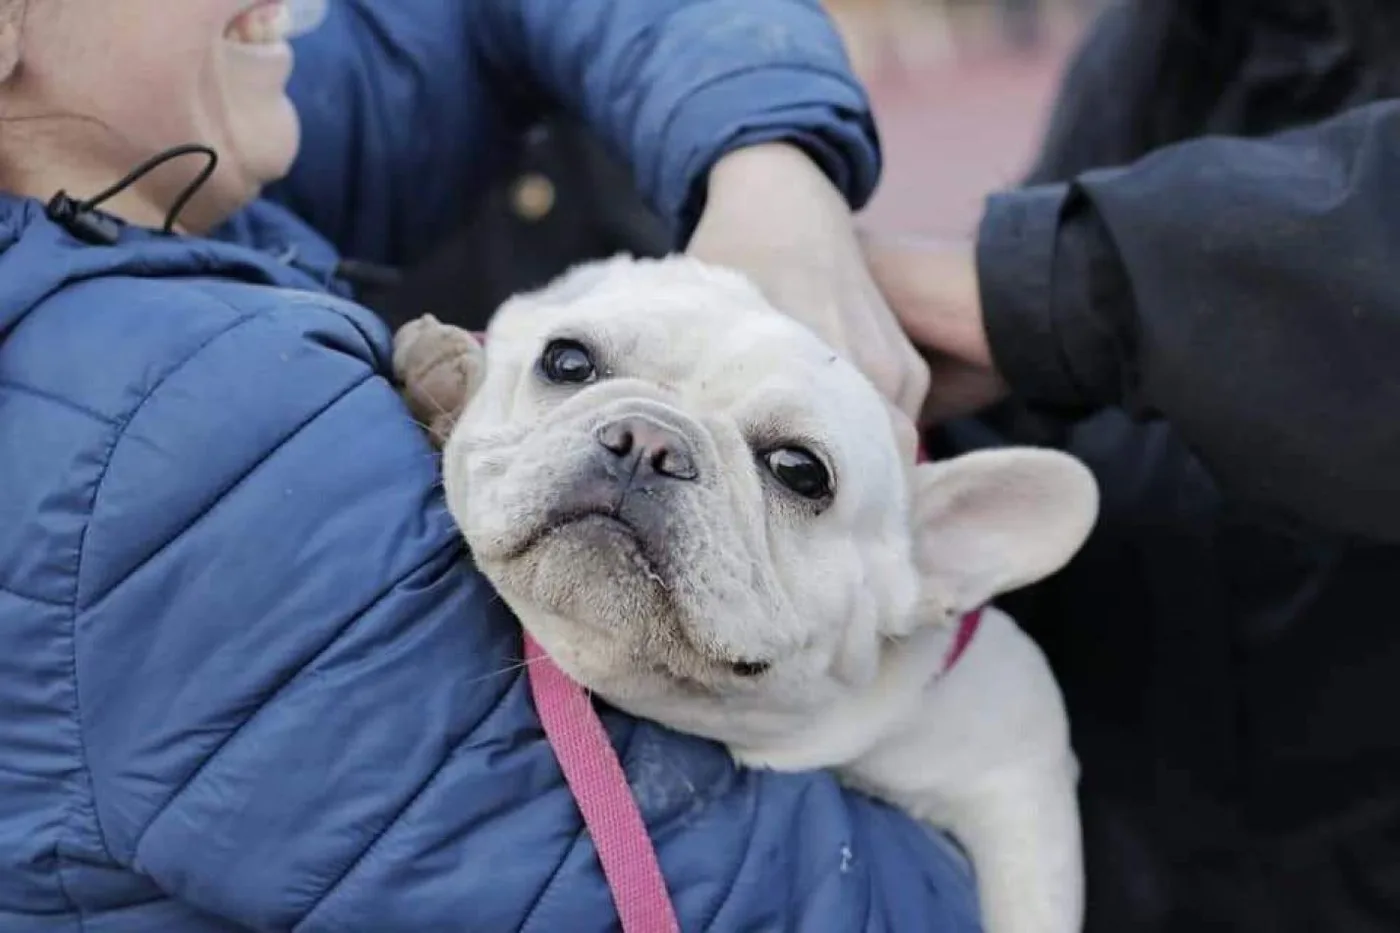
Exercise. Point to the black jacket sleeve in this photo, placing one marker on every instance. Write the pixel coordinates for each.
(1248, 291)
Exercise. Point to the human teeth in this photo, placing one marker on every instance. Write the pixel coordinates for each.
(264, 24)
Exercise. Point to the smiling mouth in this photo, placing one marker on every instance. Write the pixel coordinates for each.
(267, 23)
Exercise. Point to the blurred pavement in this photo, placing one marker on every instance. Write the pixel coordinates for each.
(960, 107)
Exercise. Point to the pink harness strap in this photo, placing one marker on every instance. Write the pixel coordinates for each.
(599, 786)
(967, 628)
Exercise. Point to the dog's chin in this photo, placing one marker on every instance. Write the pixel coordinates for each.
(590, 567)
(602, 534)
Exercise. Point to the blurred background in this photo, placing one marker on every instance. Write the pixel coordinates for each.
(962, 90)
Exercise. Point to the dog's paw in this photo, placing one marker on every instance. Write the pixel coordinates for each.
(439, 367)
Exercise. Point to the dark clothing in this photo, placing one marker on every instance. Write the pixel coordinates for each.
(508, 245)
(1215, 329)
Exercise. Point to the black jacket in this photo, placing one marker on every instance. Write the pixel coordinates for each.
(1199, 294)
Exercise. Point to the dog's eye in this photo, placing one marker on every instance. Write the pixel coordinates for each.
(750, 668)
(567, 362)
(800, 471)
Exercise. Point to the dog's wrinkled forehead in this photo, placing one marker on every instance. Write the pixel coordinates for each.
(708, 336)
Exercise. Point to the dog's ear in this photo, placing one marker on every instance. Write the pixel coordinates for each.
(439, 367)
(989, 522)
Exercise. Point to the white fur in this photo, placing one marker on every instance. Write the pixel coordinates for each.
(853, 605)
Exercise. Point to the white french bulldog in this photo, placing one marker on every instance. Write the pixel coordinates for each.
(705, 516)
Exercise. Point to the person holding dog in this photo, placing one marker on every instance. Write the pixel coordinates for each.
(1196, 294)
(249, 678)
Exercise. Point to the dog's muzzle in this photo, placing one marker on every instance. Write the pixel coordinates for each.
(636, 467)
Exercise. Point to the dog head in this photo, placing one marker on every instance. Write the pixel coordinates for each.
(702, 512)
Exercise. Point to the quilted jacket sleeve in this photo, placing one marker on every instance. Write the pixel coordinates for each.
(300, 704)
(407, 106)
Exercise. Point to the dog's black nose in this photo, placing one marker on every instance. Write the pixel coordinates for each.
(636, 448)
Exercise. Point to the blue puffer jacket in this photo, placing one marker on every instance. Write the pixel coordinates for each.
(248, 677)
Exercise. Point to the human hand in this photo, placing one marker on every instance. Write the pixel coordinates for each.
(772, 214)
(932, 287)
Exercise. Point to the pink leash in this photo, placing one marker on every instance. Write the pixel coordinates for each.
(599, 786)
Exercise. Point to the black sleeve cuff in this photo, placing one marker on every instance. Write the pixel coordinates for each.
(1015, 274)
(1048, 273)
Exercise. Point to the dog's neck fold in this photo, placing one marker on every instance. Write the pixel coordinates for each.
(851, 728)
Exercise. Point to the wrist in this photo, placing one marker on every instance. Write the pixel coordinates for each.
(776, 174)
(770, 199)
(742, 179)
(933, 287)
(762, 161)
(951, 275)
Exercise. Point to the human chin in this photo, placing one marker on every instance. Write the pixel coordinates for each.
(255, 62)
(264, 139)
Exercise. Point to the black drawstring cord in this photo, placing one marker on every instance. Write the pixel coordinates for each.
(211, 163)
(359, 274)
(84, 221)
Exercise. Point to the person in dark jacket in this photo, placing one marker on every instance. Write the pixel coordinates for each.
(1199, 294)
(249, 678)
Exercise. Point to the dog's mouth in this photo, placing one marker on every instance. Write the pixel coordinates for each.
(609, 524)
(636, 555)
